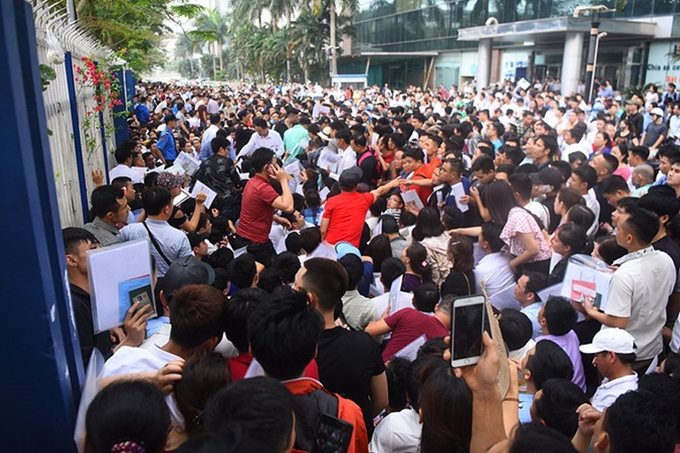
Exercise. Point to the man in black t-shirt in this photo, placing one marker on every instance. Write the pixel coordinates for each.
(350, 362)
(77, 241)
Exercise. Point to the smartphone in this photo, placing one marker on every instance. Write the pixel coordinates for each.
(270, 170)
(333, 435)
(468, 320)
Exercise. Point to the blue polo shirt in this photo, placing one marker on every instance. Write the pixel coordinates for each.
(142, 113)
(166, 143)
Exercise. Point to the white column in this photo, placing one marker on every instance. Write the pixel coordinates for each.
(571, 62)
(484, 63)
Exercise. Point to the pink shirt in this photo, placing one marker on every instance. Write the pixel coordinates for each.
(521, 221)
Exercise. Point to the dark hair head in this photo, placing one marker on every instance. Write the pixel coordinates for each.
(221, 258)
(612, 184)
(287, 265)
(407, 219)
(560, 316)
(155, 199)
(284, 332)
(242, 270)
(577, 156)
(538, 438)
(310, 238)
(427, 224)
(638, 421)
(516, 328)
(391, 269)
(259, 408)
(444, 397)
(609, 250)
(127, 411)
(460, 247)
(499, 201)
(239, 309)
(660, 202)
(610, 162)
(355, 270)
(426, 297)
(484, 164)
(570, 197)
(640, 151)
(261, 158)
(105, 199)
(204, 373)
(586, 174)
(521, 184)
(550, 143)
(581, 215)
(327, 279)
(397, 376)
(417, 254)
(642, 224)
(122, 154)
(217, 143)
(197, 315)
(667, 390)
(491, 233)
(414, 153)
(378, 249)
(451, 217)
(269, 280)
(73, 237)
(575, 237)
(549, 361)
(557, 405)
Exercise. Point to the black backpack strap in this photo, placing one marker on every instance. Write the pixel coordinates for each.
(155, 244)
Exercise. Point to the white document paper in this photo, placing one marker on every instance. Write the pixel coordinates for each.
(328, 160)
(523, 83)
(294, 169)
(395, 289)
(589, 278)
(458, 191)
(323, 193)
(211, 194)
(505, 299)
(119, 275)
(411, 197)
(241, 251)
(175, 170)
(320, 110)
(188, 163)
(410, 351)
(181, 198)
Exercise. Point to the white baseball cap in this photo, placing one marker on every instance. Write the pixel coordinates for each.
(614, 340)
(657, 111)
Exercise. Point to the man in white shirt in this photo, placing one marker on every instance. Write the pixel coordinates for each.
(526, 293)
(584, 179)
(197, 314)
(208, 135)
(358, 310)
(640, 287)
(263, 138)
(348, 158)
(165, 242)
(124, 157)
(614, 351)
(674, 123)
(494, 269)
(572, 138)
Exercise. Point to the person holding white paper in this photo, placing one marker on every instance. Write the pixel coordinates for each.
(262, 138)
(110, 208)
(348, 158)
(177, 218)
(220, 174)
(166, 243)
(77, 241)
(637, 304)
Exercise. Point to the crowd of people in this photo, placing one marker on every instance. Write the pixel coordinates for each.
(345, 223)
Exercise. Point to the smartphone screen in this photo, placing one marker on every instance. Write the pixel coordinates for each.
(467, 325)
(333, 436)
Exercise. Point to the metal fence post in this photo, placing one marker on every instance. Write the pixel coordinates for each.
(77, 143)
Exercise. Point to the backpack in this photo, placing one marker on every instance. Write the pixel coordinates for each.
(378, 167)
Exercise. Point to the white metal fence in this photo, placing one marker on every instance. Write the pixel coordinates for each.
(56, 36)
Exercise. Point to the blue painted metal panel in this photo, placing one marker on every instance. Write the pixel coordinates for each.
(80, 162)
(39, 357)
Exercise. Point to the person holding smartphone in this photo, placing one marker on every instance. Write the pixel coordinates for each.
(258, 204)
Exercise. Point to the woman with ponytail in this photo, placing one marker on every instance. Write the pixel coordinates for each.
(418, 270)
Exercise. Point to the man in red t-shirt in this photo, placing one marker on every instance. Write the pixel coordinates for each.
(258, 205)
(344, 214)
(408, 324)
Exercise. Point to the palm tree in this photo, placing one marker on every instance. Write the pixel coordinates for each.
(212, 27)
(185, 48)
(348, 8)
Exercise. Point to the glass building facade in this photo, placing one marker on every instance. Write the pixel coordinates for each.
(392, 38)
(424, 25)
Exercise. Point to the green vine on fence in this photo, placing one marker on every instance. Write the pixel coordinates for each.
(106, 86)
